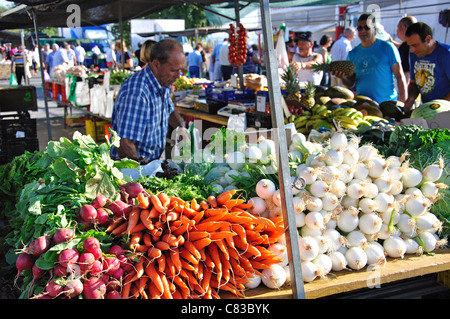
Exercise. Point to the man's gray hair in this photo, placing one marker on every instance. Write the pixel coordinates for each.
(162, 49)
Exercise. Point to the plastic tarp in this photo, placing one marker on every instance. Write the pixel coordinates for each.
(57, 13)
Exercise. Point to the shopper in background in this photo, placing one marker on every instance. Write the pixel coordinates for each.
(80, 53)
(145, 52)
(137, 54)
(18, 64)
(290, 48)
(143, 108)
(71, 55)
(340, 50)
(430, 66)
(215, 69)
(377, 65)
(111, 56)
(45, 52)
(49, 61)
(194, 62)
(325, 44)
(225, 64)
(128, 58)
(34, 54)
(61, 57)
(203, 68)
(303, 60)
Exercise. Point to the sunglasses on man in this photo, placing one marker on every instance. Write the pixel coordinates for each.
(360, 28)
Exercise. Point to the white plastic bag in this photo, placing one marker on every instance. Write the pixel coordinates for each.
(82, 96)
(282, 57)
(237, 122)
(98, 99)
(109, 105)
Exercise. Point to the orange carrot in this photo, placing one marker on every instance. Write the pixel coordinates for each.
(194, 205)
(240, 231)
(225, 196)
(210, 226)
(161, 260)
(120, 229)
(115, 222)
(153, 212)
(217, 235)
(172, 216)
(166, 293)
(135, 240)
(157, 204)
(221, 245)
(154, 252)
(133, 219)
(191, 248)
(174, 199)
(143, 200)
(186, 254)
(175, 257)
(170, 239)
(215, 211)
(196, 235)
(212, 201)
(233, 202)
(154, 292)
(146, 220)
(139, 227)
(214, 252)
(197, 218)
(204, 205)
(154, 276)
(164, 199)
(202, 243)
(162, 245)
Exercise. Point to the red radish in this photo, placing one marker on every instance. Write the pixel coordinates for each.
(96, 269)
(68, 256)
(85, 224)
(38, 246)
(110, 265)
(24, 261)
(118, 273)
(133, 189)
(37, 273)
(73, 288)
(86, 261)
(88, 213)
(125, 264)
(116, 250)
(113, 294)
(91, 244)
(94, 288)
(120, 208)
(60, 270)
(113, 284)
(97, 253)
(100, 201)
(102, 217)
(63, 235)
(54, 288)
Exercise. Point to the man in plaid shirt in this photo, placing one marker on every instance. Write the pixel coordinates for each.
(143, 105)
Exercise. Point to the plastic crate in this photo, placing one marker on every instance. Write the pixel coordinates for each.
(22, 128)
(18, 147)
(62, 93)
(18, 98)
(55, 90)
(258, 120)
(99, 127)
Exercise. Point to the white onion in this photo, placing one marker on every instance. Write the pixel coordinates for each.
(351, 155)
(307, 231)
(348, 220)
(258, 207)
(338, 261)
(428, 241)
(407, 225)
(384, 184)
(367, 152)
(294, 189)
(265, 188)
(329, 174)
(267, 146)
(338, 140)
(323, 263)
(300, 219)
(367, 205)
(346, 172)
(387, 216)
(416, 205)
(253, 153)
(431, 189)
(288, 274)
(295, 156)
(314, 220)
(235, 160)
(329, 201)
(428, 222)
(280, 251)
(335, 239)
(370, 223)
(411, 177)
(355, 190)
(394, 246)
(323, 243)
(356, 258)
(375, 254)
(385, 202)
(361, 171)
(318, 188)
(348, 202)
(309, 174)
(253, 282)
(276, 197)
(356, 238)
(412, 247)
(274, 277)
(309, 271)
(308, 247)
(299, 204)
(434, 172)
(334, 157)
(314, 204)
(396, 187)
(338, 188)
(377, 167)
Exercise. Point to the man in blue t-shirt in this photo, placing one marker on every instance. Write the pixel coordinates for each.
(430, 66)
(377, 65)
(195, 61)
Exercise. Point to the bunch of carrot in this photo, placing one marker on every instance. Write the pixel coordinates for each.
(188, 249)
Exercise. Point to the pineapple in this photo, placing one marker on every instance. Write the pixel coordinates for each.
(347, 67)
(292, 85)
(307, 100)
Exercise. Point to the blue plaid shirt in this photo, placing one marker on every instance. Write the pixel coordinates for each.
(141, 113)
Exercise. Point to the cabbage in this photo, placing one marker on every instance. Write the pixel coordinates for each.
(430, 109)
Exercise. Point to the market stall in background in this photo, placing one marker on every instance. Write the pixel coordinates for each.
(368, 186)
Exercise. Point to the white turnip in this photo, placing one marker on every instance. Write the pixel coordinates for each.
(253, 282)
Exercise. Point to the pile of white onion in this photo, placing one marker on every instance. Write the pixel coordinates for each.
(357, 209)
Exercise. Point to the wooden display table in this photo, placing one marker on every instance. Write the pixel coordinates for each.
(217, 119)
(350, 280)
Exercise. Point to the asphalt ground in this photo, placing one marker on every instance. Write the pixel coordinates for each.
(56, 128)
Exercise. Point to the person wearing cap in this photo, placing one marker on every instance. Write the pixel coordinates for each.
(302, 61)
(377, 65)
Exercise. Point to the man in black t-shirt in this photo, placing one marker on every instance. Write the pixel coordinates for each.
(402, 46)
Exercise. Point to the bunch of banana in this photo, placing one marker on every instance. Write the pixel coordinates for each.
(372, 118)
(349, 118)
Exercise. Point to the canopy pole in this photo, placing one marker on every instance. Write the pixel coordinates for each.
(283, 164)
(240, 67)
(44, 89)
(122, 55)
